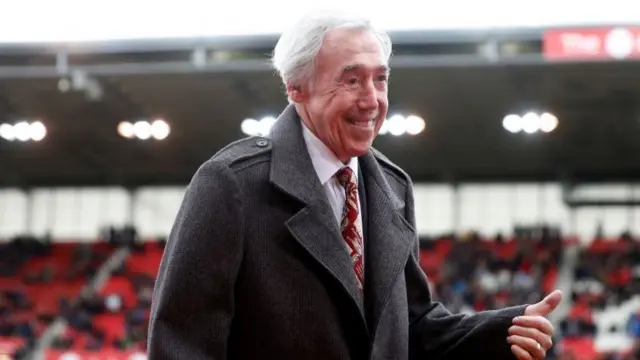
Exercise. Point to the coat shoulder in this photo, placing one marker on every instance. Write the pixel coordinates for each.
(244, 153)
(391, 169)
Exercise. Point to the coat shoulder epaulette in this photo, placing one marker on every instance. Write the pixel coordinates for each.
(243, 151)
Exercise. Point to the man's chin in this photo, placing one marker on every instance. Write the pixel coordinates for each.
(360, 150)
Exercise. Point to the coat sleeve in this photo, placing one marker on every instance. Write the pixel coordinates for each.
(435, 333)
(193, 301)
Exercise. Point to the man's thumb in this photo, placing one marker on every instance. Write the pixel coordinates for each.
(546, 306)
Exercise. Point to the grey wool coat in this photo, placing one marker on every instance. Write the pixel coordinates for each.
(255, 267)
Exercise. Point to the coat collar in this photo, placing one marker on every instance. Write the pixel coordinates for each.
(390, 239)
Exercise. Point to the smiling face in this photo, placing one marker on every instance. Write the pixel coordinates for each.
(345, 102)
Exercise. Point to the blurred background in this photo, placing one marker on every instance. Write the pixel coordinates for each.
(519, 127)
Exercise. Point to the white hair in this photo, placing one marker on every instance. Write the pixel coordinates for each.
(295, 53)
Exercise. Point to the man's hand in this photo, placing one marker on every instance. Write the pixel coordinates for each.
(531, 335)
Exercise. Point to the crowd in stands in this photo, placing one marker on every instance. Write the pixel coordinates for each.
(34, 275)
(470, 274)
(607, 276)
(41, 282)
(115, 317)
(479, 275)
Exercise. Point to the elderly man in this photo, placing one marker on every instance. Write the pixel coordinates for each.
(302, 245)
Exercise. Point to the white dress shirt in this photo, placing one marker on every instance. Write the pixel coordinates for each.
(327, 165)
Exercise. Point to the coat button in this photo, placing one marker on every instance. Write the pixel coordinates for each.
(262, 142)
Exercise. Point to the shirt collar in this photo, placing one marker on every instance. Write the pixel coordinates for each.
(324, 160)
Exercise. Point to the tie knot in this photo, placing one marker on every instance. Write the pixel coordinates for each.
(345, 176)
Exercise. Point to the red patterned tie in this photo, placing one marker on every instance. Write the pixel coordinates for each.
(351, 224)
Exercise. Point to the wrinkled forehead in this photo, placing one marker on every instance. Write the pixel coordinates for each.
(352, 50)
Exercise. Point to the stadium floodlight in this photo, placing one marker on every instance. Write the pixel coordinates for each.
(142, 130)
(548, 122)
(415, 124)
(398, 125)
(23, 131)
(512, 123)
(159, 129)
(6, 132)
(37, 131)
(250, 127)
(266, 123)
(253, 127)
(125, 129)
(530, 123)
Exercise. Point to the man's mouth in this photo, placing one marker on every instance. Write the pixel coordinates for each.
(363, 122)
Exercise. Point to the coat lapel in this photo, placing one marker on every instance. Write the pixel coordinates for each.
(314, 226)
(389, 242)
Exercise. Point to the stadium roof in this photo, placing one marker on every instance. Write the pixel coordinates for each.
(462, 93)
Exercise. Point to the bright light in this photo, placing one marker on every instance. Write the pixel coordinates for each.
(38, 131)
(512, 123)
(548, 122)
(530, 123)
(266, 123)
(125, 129)
(250, 127)
(397, 125)
(7, 132)
(23, 131)
(415, 125)
(260, 127)
(160, 129)
(142, 130)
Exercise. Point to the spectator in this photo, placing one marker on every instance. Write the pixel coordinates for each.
(633, 327)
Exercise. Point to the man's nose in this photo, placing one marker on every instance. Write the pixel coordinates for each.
(368, 98)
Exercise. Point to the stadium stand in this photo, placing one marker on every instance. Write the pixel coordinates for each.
(40, 281)
(472, 274)
(602, 323)
(479, 274)
(111, 320)
(43, 282)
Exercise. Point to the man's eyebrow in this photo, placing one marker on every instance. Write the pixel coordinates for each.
(351, 68)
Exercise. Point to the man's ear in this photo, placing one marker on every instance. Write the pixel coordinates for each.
(296, 93)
